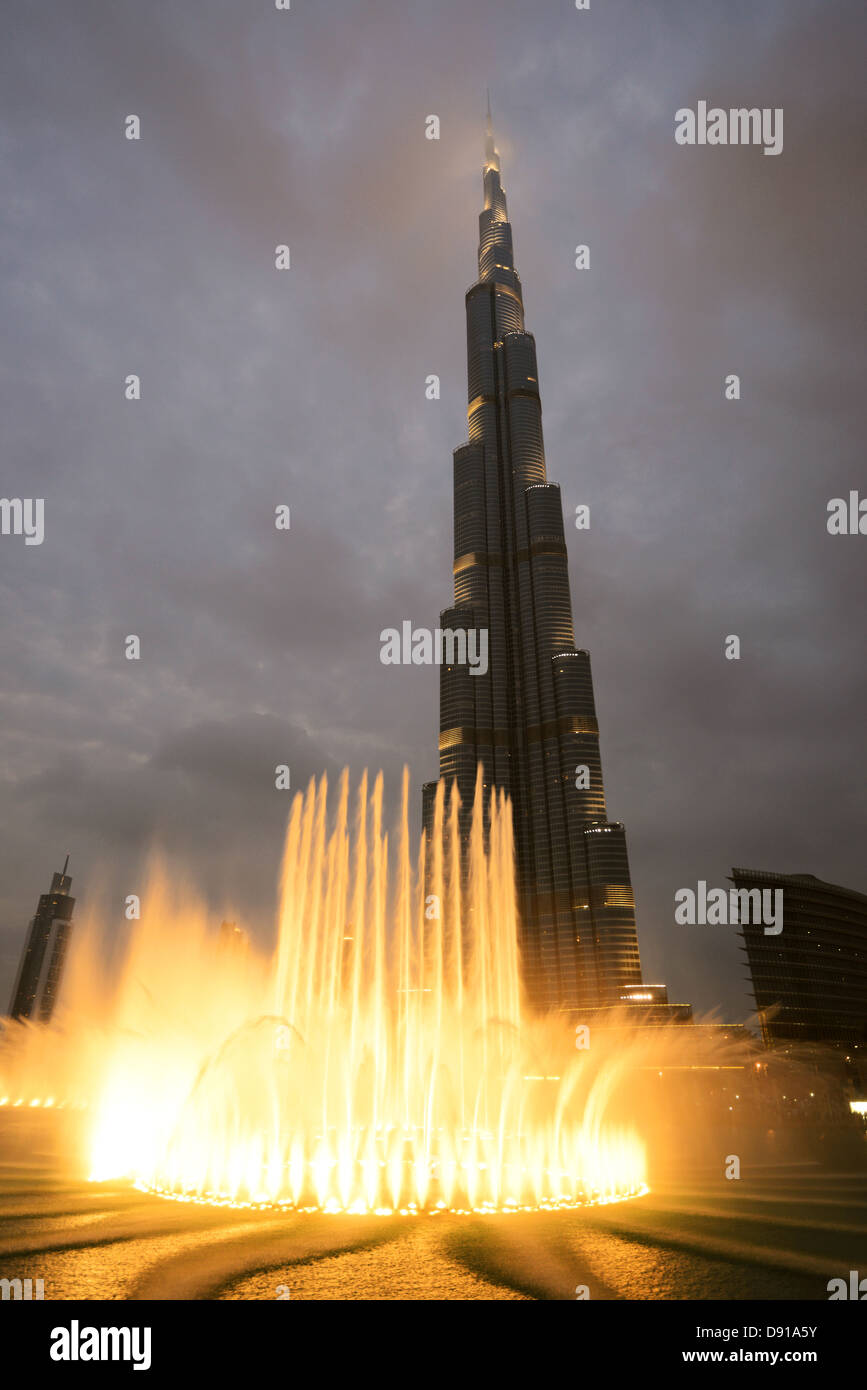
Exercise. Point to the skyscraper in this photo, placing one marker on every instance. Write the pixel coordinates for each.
(530, 720)
(810, 980)
(44, 954)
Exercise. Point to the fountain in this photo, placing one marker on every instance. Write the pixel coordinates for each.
(379, 1061)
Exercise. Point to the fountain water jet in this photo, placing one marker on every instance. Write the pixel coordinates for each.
(381, 1060)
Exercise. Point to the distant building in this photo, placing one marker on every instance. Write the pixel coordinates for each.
(44, 955)
(810, 980)
(649, 1004)
(641, 1006)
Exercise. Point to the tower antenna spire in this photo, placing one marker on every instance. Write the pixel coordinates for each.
(491, 160)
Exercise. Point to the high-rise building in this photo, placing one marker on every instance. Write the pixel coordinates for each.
(810, 979)
(530, 720)
(44, 954)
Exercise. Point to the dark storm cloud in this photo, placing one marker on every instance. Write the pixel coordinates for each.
(261, 647)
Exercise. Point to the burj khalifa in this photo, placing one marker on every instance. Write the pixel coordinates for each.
(529, 722)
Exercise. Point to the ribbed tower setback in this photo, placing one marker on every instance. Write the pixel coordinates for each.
(530, 721)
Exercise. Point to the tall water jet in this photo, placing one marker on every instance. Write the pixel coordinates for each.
(380, 1059)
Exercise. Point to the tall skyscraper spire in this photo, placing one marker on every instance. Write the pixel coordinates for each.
(530, 721)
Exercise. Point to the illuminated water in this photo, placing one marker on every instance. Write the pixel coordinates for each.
(380, 1060)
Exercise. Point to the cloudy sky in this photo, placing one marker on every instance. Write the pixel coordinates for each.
(306, 387)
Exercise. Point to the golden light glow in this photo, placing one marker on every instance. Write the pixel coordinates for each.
(379, 1061)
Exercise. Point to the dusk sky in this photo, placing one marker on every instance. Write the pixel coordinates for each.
(307, 387)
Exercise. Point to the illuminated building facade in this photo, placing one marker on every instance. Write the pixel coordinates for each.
(44, 955)
(530, 720)
(810, 980)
